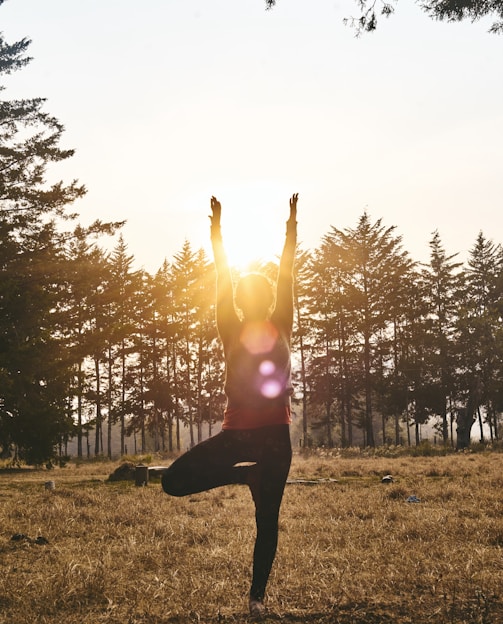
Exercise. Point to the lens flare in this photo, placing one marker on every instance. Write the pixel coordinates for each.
(270, 383)
(267, 368)
(271, 388)
(259, 337)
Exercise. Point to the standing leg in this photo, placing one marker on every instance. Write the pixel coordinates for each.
(267, 483)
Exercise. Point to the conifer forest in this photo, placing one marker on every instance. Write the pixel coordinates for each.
(383, 344)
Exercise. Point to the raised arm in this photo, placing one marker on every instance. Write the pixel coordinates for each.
(226, 313)
(283, 311)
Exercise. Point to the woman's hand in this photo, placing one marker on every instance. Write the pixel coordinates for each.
(216, 211)
(293, 206)
(292, 221)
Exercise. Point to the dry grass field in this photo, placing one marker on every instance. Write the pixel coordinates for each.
(351, 550)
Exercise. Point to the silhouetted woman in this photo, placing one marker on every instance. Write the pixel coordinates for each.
(258, 388)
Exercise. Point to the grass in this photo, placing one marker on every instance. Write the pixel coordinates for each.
(351, 550)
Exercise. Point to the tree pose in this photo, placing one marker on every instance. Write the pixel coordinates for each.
(255, 326)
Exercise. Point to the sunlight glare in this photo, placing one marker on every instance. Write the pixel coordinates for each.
(252, 239)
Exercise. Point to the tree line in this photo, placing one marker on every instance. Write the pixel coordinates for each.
(382, 344)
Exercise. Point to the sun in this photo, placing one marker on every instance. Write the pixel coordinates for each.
(243, 255)
(251, 241)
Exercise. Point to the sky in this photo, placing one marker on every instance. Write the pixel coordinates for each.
(168, 102)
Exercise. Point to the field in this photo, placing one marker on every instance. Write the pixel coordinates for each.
(352, 549)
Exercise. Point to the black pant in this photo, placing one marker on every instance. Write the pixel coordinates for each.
(212, 463)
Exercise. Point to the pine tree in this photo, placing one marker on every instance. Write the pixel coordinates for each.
(83, 274)
(480, 354)
(186, 278)
(377, 268)
(437, 392)
(125, 286)
(302, 288)
(34, 411)
(328, 314)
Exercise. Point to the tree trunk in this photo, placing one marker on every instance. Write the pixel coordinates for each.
(343, 426)
(98, 441)
(445, 427)
(142, 407)
(170, 431)
(123, 398)
(176, 406)
(369, 427)
(494, 420)
(349, 414)
(330, 440)
(199, 407)
(79, 410)
(109, 401)
(481, 427)
(303, 380)
(465, 420)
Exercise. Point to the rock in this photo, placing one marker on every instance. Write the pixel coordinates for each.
(124, 472)
(40, 540)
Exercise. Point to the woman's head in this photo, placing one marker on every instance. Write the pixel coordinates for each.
(254, 296)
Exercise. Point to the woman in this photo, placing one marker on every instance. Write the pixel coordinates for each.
(258, 388)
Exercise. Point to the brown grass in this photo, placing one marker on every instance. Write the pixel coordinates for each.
(351, 551)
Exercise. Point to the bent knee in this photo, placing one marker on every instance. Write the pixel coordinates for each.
(171, 485)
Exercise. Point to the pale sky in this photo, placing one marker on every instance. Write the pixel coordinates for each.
(168, 102)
